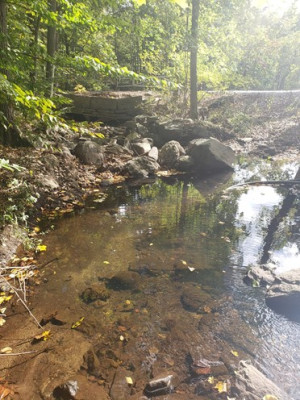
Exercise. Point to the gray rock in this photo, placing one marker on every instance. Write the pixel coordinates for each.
(142, 130)
(141, 147)
(89, 152)
(284, 297)
(185, 164)
(170, 153)
(210, 155)
(251, 384)
(141, 167)
(47, 181)
(153, 153)
(259, 275)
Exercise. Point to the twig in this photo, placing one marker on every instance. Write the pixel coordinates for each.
(291, 182)
(18, 354)
(25, 305)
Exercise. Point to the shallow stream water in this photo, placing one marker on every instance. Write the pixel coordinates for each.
(178, 238)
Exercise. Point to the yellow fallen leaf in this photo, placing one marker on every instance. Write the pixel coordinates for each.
(221, 387)
(211, 380)
(41, 247)
(184, 262)
(235, 353)
(6, 350)
(2, 321)
(77, 323)
(127, 302)
(129, 380)
(37, 229)
(105, 262)
(43, 336)
(270, 397)
(5, 298)
(150, 244)
(2, 310)
(122, 338)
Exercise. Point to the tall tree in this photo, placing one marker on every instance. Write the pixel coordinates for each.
(193, 60)
(51, 48)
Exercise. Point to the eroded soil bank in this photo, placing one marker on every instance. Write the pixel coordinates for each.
(151, 303)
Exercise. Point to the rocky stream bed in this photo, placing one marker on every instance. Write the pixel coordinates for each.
(131, 290)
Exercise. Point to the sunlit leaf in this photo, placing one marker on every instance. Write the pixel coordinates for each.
(105, 262)
(191, 269)
(270, 397)
(129, 380)
(6, 350)
(77, 323)
(235, 353)
(5, 298)
(2, 321)
(221, 387)
(43, 336)
(184, 262)
(211, 380)
(41, 247)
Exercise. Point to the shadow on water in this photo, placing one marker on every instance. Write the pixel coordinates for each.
(171, 257)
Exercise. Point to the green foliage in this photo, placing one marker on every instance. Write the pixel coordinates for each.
(10, 167)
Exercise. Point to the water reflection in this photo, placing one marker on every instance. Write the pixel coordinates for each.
(181, 240)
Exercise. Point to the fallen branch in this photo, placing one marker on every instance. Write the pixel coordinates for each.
(262, 183)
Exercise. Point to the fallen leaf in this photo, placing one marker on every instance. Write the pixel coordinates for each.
(37, 229)
(5, 298)
(41, 247)
(235, 353)
(4, 392)
(202, 370)
(129, 380)
(184, 262)
(191, 269)
(221, 223)
(150, 244)
(221, 387)
(2, 321)
(105, 262)
(203, 234)
(207, 309)
(122, 338)
(43, 336)
(2, 310)
(270, 397)
(211, 380)
(6, 350)
(77, 323)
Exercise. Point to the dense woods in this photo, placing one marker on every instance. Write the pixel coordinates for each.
(60, 45)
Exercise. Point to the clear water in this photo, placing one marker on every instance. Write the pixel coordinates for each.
(177, 236)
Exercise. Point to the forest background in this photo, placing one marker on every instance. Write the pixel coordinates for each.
(50, 47)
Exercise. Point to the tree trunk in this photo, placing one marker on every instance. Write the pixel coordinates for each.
(3, 34)
(51, 48)
(35, 32)
(193, 60)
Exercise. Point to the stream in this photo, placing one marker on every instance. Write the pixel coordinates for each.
(168, 258)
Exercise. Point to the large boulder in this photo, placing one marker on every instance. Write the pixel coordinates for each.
(210, 155)
(141, 146)
(89, 152)
(141, 167)
(170, 153)
(284, 297)
(251, 384)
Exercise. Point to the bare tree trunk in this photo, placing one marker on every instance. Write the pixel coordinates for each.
(35, 31)
(51, 49)
(193, 60)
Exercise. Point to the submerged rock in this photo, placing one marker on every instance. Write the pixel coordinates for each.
(210, 155)
(94, 292)
(251, 384)
(284, 297)
(120, 390)
(194, 299)
(126, 280)
(159, 386)
(141, 167)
